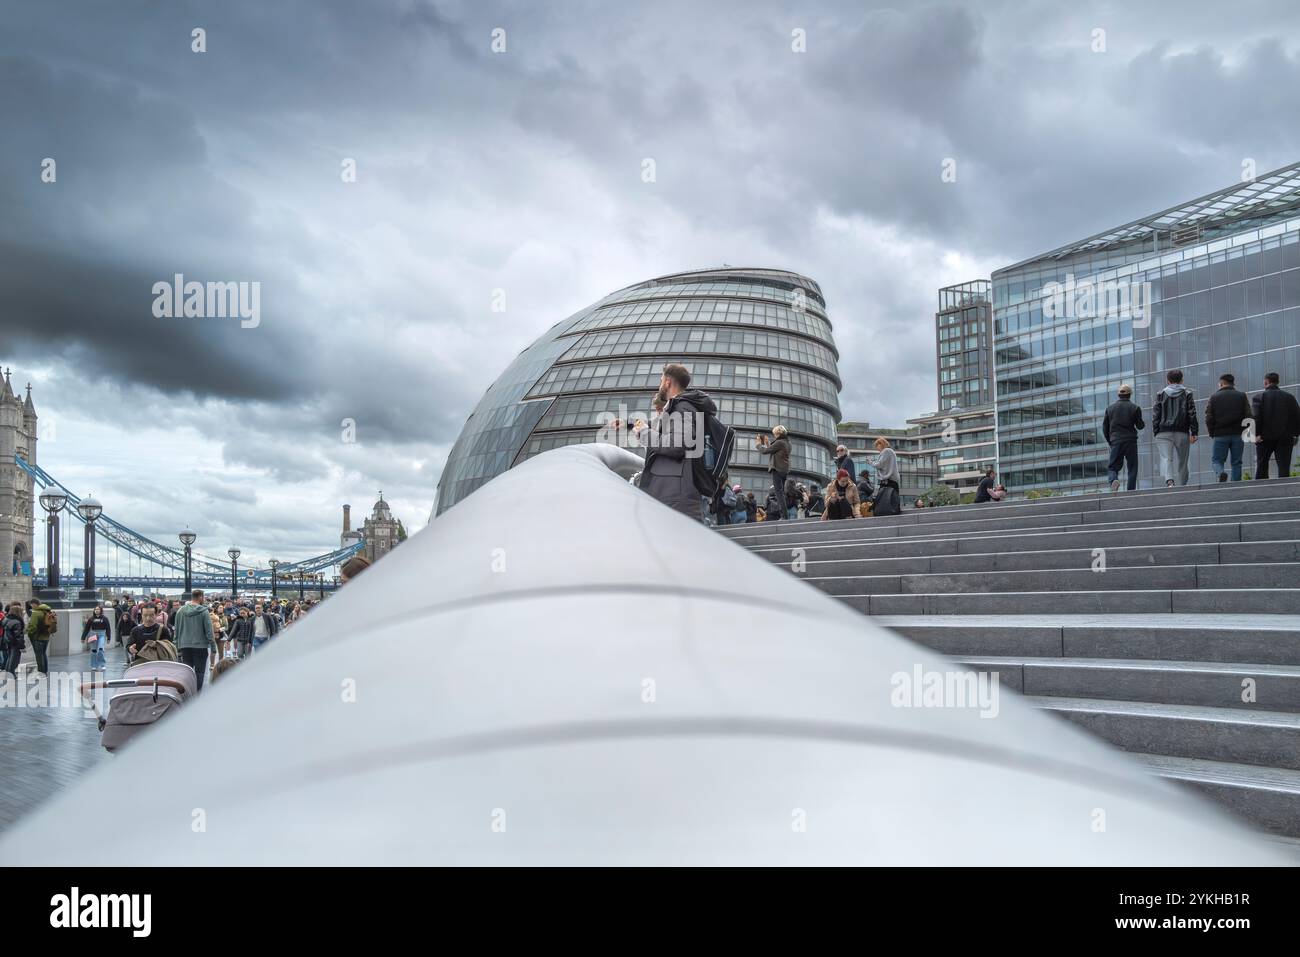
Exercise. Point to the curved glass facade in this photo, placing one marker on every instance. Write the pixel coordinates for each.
(757, 340)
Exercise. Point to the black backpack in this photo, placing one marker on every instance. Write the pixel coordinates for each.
(1173, 411)
(707, 469)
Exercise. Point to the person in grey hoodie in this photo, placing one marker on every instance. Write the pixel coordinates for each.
(197, 645)
(1174, 425)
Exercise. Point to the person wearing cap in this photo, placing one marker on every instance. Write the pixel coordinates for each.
(1120, 428)
(841, 498)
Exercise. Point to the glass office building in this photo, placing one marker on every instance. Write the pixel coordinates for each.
(1210, 286)
(963, 329)
(758, 340)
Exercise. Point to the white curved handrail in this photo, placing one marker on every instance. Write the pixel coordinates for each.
(561, 670)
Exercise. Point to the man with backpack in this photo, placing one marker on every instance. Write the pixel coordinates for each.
(677, 441)
(1226, 414)
(1120, 428)
(1277, 424)
(1174, 425)
(40, 629)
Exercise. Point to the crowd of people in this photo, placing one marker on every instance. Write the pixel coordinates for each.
(1270, 422)
(208, 635)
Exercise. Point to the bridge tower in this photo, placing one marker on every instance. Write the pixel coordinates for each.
(17, 493)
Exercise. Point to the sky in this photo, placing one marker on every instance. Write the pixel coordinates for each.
(499, 152)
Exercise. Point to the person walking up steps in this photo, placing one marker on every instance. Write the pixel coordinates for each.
(1226, 413)
(1277, 424)
(1120, 428)
(1173, 423)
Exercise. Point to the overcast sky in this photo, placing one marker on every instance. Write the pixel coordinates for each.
(522, 171)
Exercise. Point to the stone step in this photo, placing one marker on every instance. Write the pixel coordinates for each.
(1246, 687)
(1272, 601)
(1043, 540)
(1264, 639)
(1248, 553)
(1095, 502)
(1268, 798)
(1266, 739)
(1234, 494)
(864, 529)
(1257, 578)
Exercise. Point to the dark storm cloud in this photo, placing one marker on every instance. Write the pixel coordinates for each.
(522, 170)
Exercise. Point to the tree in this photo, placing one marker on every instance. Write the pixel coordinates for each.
(940, 495)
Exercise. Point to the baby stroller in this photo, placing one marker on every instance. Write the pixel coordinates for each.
(143, 694)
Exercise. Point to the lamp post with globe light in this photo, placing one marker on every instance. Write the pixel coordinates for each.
(89, 509)
(274, 563)
(53, 500)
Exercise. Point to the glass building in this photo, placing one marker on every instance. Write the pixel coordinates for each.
(1210, 286)
(757, 340)
(963, 329)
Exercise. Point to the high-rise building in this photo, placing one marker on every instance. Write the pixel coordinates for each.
(1209, 286)
(963, 329)
(962, 443)
(917, 468)
(758, 340)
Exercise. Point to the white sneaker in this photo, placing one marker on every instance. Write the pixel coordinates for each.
(1114, 486)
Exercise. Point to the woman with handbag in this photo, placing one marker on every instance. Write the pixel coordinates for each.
(94, 634)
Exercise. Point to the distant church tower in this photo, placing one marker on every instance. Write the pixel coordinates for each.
(380, 531)
(17, 493)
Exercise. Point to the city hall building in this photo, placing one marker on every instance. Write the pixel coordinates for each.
(757, 340)
(1209, 287)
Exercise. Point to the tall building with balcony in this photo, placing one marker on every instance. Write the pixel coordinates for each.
(963, 329)
(961, 442)
(1209, 286)
(757, 340)
(917, 468)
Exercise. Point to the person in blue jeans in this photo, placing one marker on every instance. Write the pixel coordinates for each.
(95, 633)
(1226, 414)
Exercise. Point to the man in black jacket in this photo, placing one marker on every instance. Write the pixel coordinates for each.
(1120, 427)
(1226, 414)
(1277, 424)
(12, 640)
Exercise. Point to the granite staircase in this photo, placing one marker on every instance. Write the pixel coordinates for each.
(1166, 621)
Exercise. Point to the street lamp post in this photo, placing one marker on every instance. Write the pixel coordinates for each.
(234, 553)
(187, 539)
(302, 583)
(274, 563)
(89, 510)
(320, 580)
(53, 501)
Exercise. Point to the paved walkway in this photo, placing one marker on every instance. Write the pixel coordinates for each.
(46, 748)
